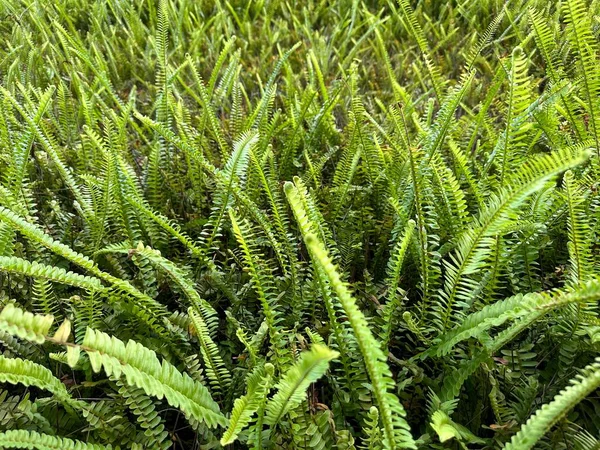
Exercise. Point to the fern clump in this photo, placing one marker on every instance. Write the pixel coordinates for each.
(271, 224)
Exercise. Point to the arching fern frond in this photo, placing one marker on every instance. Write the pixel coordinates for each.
(141, 368)
(475, 243)
(28, 373)
(25, 325)
(230, 178)
(291, 389)
(397, 434)
(34, 440)
(549, 414)
(513, 308)
(415, 29)
(147, 309)
(580, 34)
(579, 232)
(216, 370)
(13, 264)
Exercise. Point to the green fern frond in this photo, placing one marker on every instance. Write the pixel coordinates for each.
(291, 389)
(144, 409)
(372, 431)
(231, 175)
(396, 429)
(146, 308)
(19, 371)
(549, 414)
(474, 244)
(414, 28)
(34, 440)
(25, 325)
(397, 434)
(263, 283)
(352, 376)
(513, 308)
(579, 31)
(44, 300)
(216, 370)
(579, 232)
(140, 367)
(510, 145)
(394, 269)
(258, 385)
(13, 264)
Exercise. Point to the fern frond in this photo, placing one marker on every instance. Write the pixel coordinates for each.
(372, 431)
(147, 309)
(394, 273)
(579, 232)
(511, 142)
(474, 244)
(13, 264)
(25, 325)
(28, 373)
(579, 31)
(141, 368)
(34, 440)
(414, 28)
(291, 389)
(392, 412)
(258, 386)
(169, 226)
(263, 283)
(216, 370)
(209, 112)
(144, 409)
(549, 414)
(231, 177)
(353, 378)
(397, 434)
(513, 308)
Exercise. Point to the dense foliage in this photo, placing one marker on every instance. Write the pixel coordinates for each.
(316, 224)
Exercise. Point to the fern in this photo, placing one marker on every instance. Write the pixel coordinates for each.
(549, 414)
(246, 406)
(439, 279)
(34, 269)
(24, 324)
(579, 32)
(233, 171)
(142, 406)
(579, 233)
(475, 243)
(391, 409)
(35, 440)
(512, 308)
(141, 368)
(291, 389)
(19, 371)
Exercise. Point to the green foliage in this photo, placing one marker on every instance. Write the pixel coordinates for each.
(247, 405)
(585, 383)
(18, 371)
(299, 225)
(293, 385)
(141, 368)
(34, 440)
